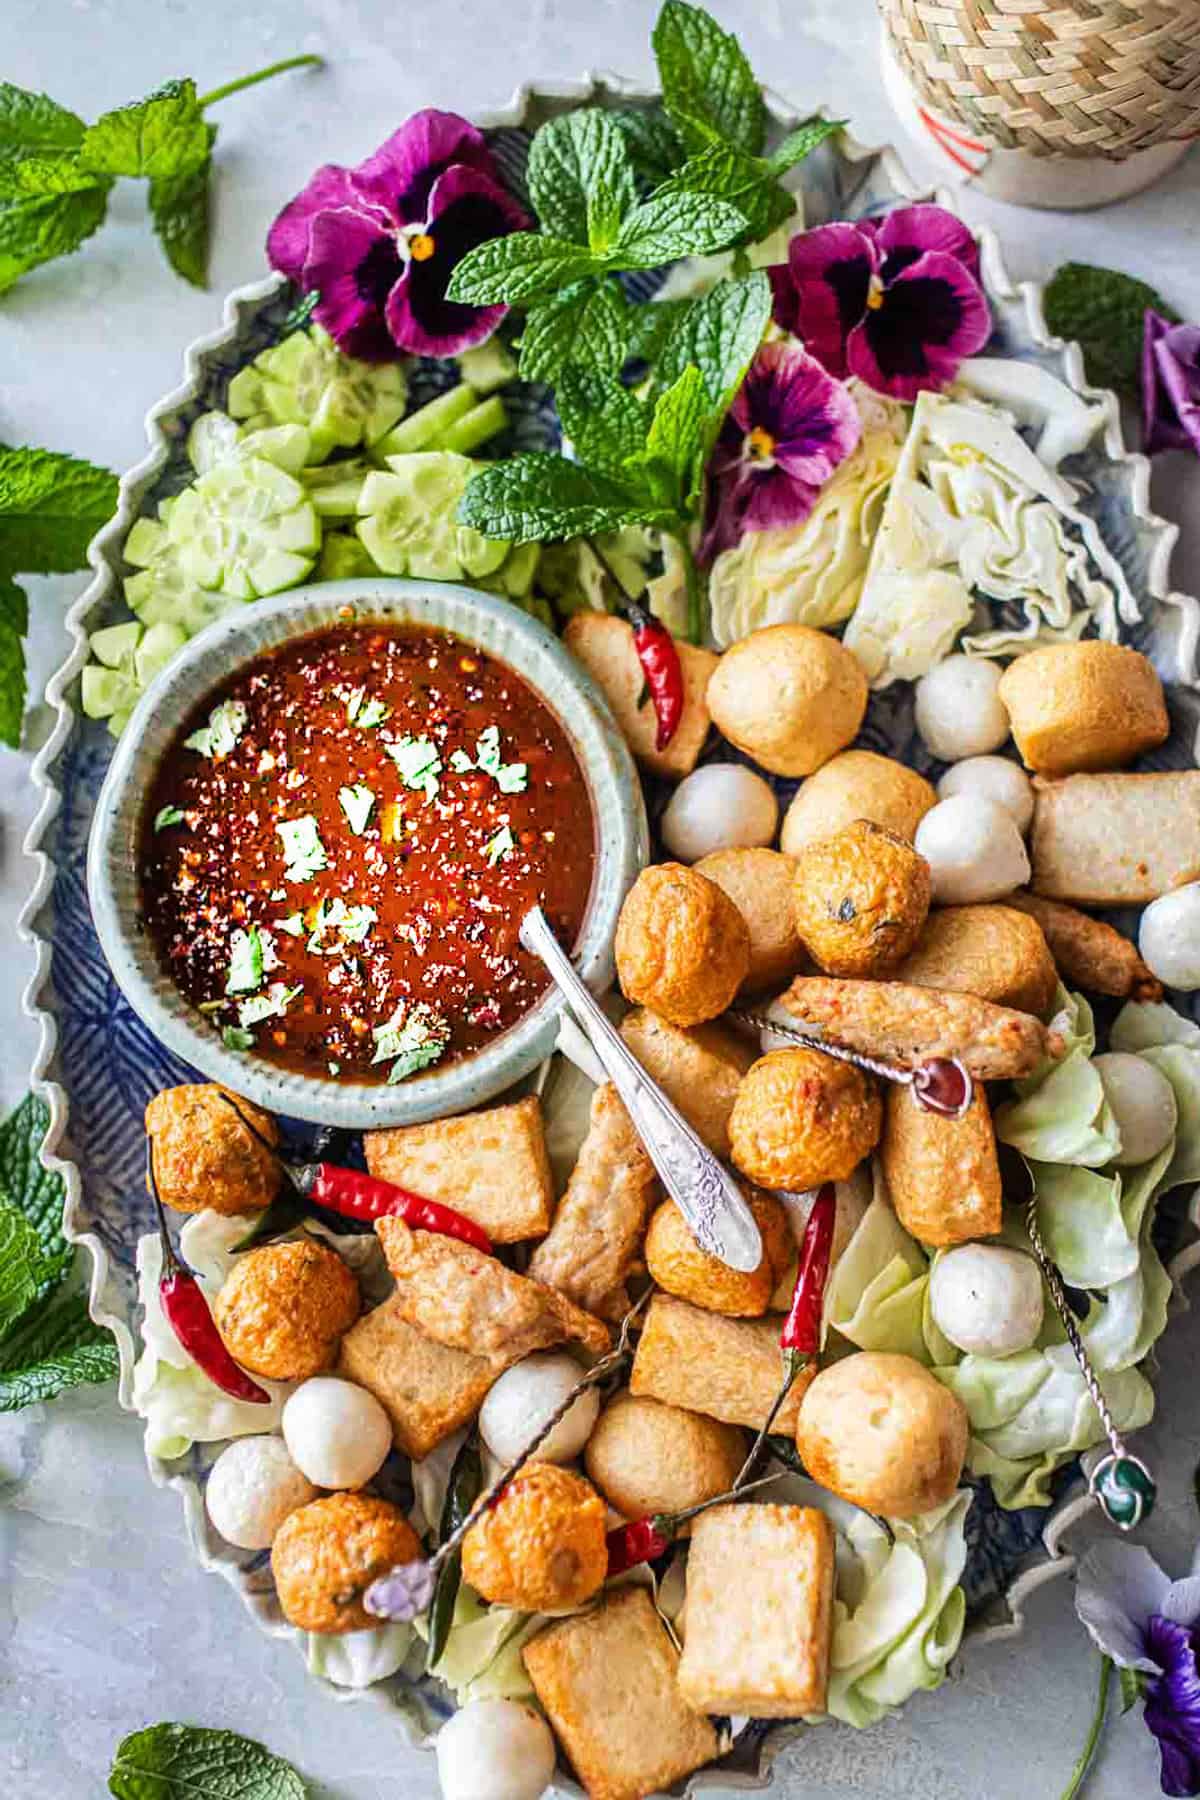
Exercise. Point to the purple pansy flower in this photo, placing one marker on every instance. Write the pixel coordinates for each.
(786, 432)
(380, 242)
(1170, 385)
(1144, 1621)
(895, 301)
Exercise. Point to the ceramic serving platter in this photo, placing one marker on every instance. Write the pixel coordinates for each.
(97, 1063)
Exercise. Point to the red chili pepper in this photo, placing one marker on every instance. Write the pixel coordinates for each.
(189, 1317)
(659, 656)
(801, 1334)
(358, 1196)
(639, 1542)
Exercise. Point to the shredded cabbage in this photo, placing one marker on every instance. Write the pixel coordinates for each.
(357, 1659)
(973, 513)
(482, 1658)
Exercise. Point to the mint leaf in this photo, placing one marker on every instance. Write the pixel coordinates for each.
(521, 266)
(45, 212)
(747, 181)
(651, 325)
(1104, 311)
(651, 140)
(164, 135)
(720, 333)
(588, 323)
(20, 1261)
(673, 224)
(179, 209)
(802, 142)
(570, 159)
(605, 422)
(677, 442)
(605, 211)
(31, 121)
(56, 1349)
(12, 661)
(51, 507)
(191, 1762)
(545, 496)
(708, 86)
(36, 1191)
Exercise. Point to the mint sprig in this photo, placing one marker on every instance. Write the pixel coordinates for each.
(1104, 311)
(571, 160)
(192, 1762)
(587, 324)
(709, 89)
(56, 172)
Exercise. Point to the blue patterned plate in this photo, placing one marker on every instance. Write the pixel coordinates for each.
(97, 1064)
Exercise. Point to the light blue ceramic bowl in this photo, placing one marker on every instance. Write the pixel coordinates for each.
(216, 654)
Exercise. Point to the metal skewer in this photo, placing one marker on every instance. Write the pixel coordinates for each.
(941, 1084)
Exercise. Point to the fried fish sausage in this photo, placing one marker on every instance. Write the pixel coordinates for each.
(1088, 953)
(460, 1297)
(601, 1219)
(1115, 840)
(942, 1174)
(908, 1024)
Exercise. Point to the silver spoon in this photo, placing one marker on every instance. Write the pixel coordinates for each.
(704, 1191)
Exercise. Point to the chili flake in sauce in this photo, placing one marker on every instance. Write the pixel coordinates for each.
(340, 844)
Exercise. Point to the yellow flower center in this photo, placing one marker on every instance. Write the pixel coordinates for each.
(759, 444)
(874, 294)
(421, 247)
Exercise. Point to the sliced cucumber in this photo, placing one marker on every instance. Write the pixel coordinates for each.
(164, 593)
(289, 447)
(408, 520)
(160, 643)
(475, 427)
(145, 541)
(422, 430)
(488, 367)
(245, 528)
(114, 645)
(344, 558)
(305, 380)
(518, 570)
(212, 440)
(104, 692)
(334, 488)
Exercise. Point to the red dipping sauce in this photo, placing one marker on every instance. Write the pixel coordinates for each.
(340, 844)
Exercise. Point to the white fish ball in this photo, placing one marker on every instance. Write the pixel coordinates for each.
(523, 1398)
(495, 1750)
(252, 1488)
(959, 711)
(722, 806)
(974, 850)
(992, 778)
(1143, 1103)
(337, 1432)
(987, 1299)
(1169, 937)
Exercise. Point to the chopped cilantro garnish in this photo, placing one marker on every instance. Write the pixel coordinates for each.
(234, 1038)
(500, 846)
(510, 778)
(418, 763)
(364, 713)
(226, 724)
(303, 850)
(246, 962)
(460, 762)
(293, 924)
(167, 815)
(357, 804)
(350, 925)
(411, 1039)
(335, 1068)
(271, 1005)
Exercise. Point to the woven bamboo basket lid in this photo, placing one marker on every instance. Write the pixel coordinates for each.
(1091, 78)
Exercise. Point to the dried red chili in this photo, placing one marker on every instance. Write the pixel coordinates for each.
(659, 656)
(364, 1197)
(642, 1540)
(800, 1338)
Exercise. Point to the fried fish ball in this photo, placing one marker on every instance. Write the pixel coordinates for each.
(205, 1152)
(997, 952)
(647, 1457)
(326, 1555)
(682, 946)
(882, 1432)
(858, 784)
(1093, 705)
(678, 1264)
(801, 1118)
(860, 899)
(698, 1070)
(759, 882)
(542, 1546)
(789, 696)
(284, 1309)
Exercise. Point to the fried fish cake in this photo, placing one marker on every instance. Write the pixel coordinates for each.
(542, 1546)
(208, 1150)
(283, 1309)
(942, 1174)
(907, 1024)
(698, 1069)
(679, 1266)
(1091, 705)
(759, 882)
(995, 952)
(682, 946)
(647, 1457)
(326, 1555)
(860, 898)
(801, 1119)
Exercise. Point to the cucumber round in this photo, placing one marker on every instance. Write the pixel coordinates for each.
(306, 380)
(211, 440)
(408, 519)
(246, 529)
(344, 558)
(334, 488)
(114, 645)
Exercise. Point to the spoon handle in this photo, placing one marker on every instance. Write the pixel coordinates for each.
(703, 1190)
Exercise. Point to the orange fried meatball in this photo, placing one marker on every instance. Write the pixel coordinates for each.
(801, 1118)
(326, 1555)
(682, 946)
(678, 1264)
(542, 1547)
(205, 1151)
(860, 899)
(284, 1309)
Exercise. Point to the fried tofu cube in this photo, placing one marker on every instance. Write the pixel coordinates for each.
(709, 1363)
(490, 1165)
(759, 1611)
(604, 645)
(608, 1682)
(427, 1390)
